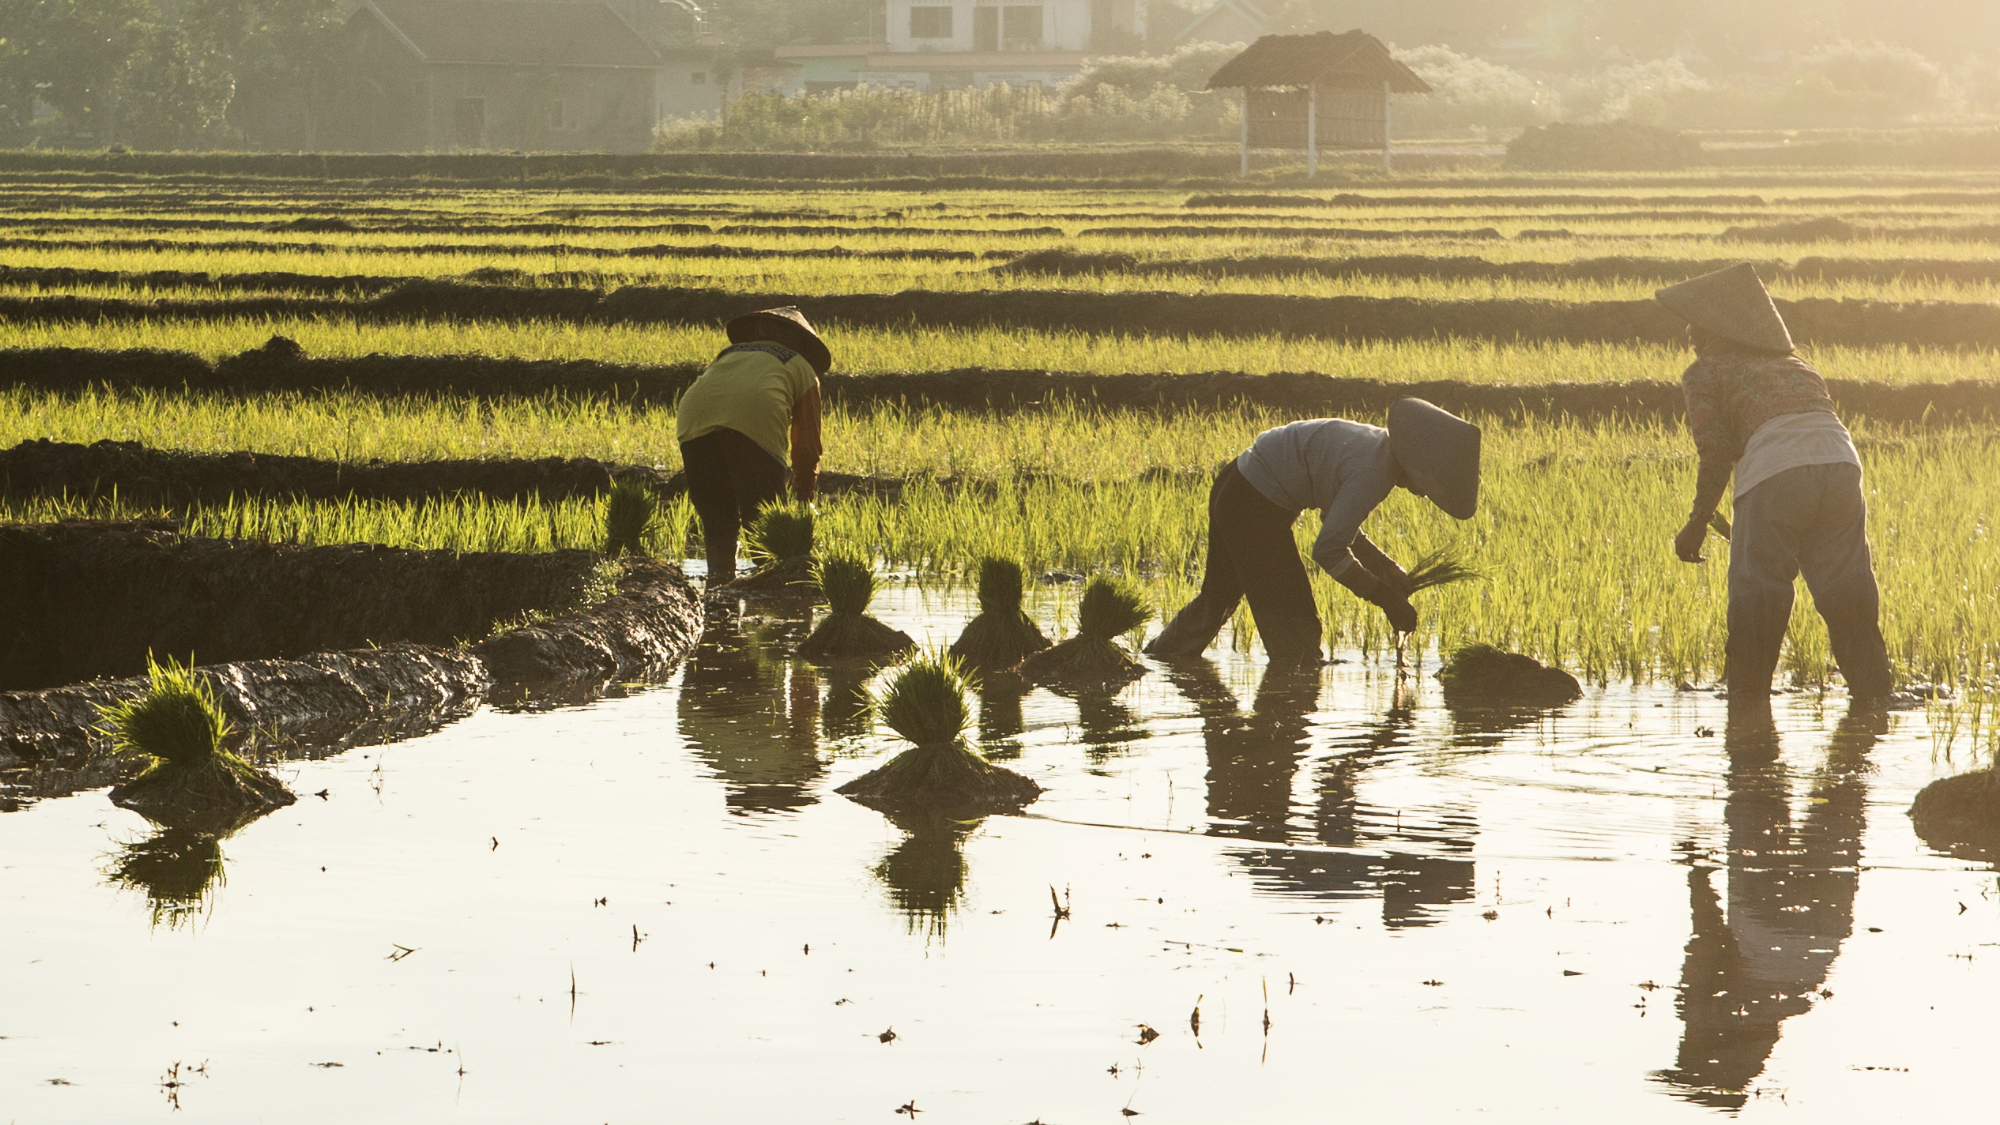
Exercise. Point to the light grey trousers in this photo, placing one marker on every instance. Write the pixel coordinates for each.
(1809, 520)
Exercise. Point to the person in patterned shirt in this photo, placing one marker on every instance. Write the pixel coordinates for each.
(1761, 414)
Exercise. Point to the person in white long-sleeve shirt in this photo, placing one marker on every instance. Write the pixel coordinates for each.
(1344, 469)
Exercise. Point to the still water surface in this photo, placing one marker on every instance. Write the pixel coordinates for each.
(655, 908)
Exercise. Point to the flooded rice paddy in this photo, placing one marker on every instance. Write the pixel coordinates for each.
(1276, 897)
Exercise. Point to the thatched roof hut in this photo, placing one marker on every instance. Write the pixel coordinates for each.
(1317, 91)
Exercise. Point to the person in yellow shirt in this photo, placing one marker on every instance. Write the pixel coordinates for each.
(748, 420)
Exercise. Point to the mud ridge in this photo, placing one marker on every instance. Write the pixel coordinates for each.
(1940, 324)
(339, 692)
(175, 479)
(663, 250)
(1062, 262)
(69, 370)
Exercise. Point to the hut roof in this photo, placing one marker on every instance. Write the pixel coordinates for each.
(1355, 60)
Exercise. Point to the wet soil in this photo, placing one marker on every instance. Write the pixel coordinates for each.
(376, 633)
(1812, 321)
(69, 370)
(85, 599)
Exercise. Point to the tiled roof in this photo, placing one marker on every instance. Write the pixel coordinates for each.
(1356, 59)
(517, 32)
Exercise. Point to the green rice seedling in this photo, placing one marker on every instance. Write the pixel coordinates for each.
(781, 542)
(631, 519)
(1003, 633)
(847, 632)
(190, 778)
(1110, 608)
(925, 704)
(1483, 674)
(1441, 567)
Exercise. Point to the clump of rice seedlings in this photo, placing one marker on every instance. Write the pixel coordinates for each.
(178, 726)
(1110, 608)
(780, 541)
(1003, 633)
(925, 704)
(631, 519)
(1482, 674)
(1961, 814)
(848, 583)
(1440, 568)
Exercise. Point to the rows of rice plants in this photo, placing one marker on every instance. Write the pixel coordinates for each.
(1574, 578)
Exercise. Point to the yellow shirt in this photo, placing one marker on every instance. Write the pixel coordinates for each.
(751, 391)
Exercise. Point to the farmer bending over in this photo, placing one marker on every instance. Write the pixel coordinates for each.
(1344, 469)
(1756, 409)
(757, 400)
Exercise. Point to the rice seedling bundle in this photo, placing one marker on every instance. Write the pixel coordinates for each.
(1483, 674)
(847, 632)
(781, 542)
(1110, 608)
(631, 519)
(925, 705)
(1441, 567)
(190, 778)
(1003, 633)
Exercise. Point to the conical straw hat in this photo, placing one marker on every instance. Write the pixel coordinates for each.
(790, 327)
(1440, 452)
(1734, 305)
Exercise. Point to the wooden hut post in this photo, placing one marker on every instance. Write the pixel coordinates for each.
(1387, 165)
(1245, 173)
(1312, 131)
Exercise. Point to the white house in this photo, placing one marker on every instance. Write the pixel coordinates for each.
(948, 44)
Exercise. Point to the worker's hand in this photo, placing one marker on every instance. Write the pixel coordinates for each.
(1688, 543)
(1401, 614)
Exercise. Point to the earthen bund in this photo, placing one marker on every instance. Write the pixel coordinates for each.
(262, 372)
(1937, 324)
(310, 644)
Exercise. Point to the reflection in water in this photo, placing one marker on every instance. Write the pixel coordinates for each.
(1105, 723)
(1790, 904)
(1000, 720)
(1252, 761)
(178, 867)
(848, 710)
(753, 717)
(925, 874)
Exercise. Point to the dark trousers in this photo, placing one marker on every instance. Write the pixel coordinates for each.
(1251, 554)
(1810, 520)
(729, 477)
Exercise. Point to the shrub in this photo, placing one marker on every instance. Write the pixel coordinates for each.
(1616, 146)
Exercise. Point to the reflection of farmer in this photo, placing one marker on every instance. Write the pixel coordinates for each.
(1758, 410)
(1344, 469)
(1790, 903)
(759, 399)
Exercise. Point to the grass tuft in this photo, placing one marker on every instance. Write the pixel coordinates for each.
(925, 702)
(631, 519)
(847, 581)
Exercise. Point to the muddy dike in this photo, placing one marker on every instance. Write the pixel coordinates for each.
(313, 672)
(86, 599)
(536, 249)
(1308, 394)
(1942, 324)
(166, 478)
(1060, 262)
